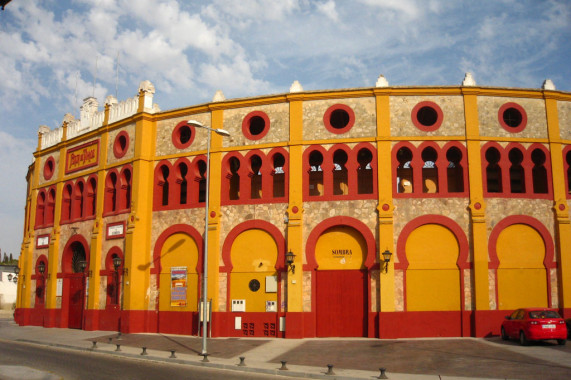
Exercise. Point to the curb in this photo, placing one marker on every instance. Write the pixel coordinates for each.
(231, 367)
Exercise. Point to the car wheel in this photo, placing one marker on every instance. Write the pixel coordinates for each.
(504, 335)
(522, 339)
(561, 342)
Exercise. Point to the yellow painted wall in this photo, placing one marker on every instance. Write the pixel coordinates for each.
(432, 277)
(521, 274)
(340, 248)
(254, 255)
(179, 250)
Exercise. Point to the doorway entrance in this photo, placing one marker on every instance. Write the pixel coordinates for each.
(341, 283)
(76, 298)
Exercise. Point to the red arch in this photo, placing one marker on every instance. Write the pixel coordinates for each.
(548, 261)
(249, 225)
(68, 254)
(334, 222)
(184, 228)
(44, 259)
(433, 219)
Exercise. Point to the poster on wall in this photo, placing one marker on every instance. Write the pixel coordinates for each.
(178, 286)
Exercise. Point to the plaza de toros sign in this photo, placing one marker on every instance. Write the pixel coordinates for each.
(82, 157)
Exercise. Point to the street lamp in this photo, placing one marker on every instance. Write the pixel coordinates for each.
(221, 132)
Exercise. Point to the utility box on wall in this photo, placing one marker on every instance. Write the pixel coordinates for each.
(239, 305)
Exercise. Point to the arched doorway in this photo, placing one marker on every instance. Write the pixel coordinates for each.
(177, 262)
(521, 252)
(76, 284)
(341, 283)
(253, 256)
(432, 253)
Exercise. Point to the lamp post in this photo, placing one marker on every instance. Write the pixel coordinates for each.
(221, 132)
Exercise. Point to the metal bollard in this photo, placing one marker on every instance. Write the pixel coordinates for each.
(118, 348)
(94, 342)
(144, 351)
(173, 356)
(330, 369)
(242, 363)
(110, 340)
(283, 367)
(205, 358)
(382, 375)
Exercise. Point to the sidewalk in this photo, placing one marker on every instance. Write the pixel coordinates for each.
(358, 358)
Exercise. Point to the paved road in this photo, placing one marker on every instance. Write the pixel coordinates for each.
(404, 359)
(83, 365)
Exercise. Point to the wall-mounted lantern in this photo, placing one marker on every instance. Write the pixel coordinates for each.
(290, 256)
(117, 263)
(386, 259)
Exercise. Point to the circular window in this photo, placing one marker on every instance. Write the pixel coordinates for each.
(49, 168)
(121, 144)
(254, 285)
(255, 125)
(339, 118)
(182, 135)
(512, 117)
(427, 116)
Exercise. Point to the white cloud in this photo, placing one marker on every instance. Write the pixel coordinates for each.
(409, 8)
(329, 10)
(15, 156)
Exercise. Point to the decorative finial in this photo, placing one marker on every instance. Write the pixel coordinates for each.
(147, 86)
(548, 85)
(219, 96)
(382, 81)
(295, 87)
(468, 80)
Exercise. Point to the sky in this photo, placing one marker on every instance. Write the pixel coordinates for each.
(55, 53)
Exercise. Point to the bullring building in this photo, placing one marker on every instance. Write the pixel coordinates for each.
(385, 212)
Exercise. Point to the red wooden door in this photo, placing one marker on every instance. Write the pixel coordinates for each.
(76, 299)
(341, 303)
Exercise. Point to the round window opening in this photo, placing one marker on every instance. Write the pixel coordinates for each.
(427, 116)
(339, 119)
(512, 117)
(257, 125)
(185, 134)
(49, 168)
(254, 285)
(121, 144)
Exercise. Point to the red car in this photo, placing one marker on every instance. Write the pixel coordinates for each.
(534, 324)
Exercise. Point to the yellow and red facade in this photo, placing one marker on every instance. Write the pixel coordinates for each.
(467, 187)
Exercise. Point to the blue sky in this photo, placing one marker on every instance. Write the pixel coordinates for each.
(189, 50)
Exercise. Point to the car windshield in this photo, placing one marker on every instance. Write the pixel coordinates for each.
(539, 314)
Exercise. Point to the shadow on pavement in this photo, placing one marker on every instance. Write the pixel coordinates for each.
(455, 357)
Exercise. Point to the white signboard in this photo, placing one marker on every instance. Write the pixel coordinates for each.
(59, 287)
(115, 230)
